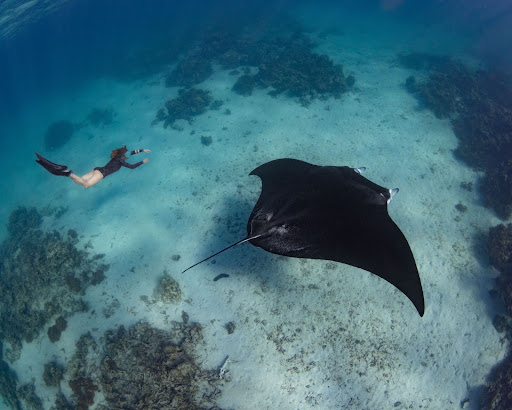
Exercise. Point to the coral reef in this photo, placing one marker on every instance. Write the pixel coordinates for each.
(284, 65)
(188, 104)
(82, 370)
(289, 66)
(443, 90)
(28, 394)
(22, 221)
(161, 115)
(245, 85)
(230, 327)
(497, 189)
(57, 134)
(56, 330)
(168, 290)
(499, 248)
(35, 271)
(191, 71)
(216, 104)
(504, 285)
(206, 140)
(144, 367)
(479, 104)
(498, 389)
(53, 374)
(461, 207)
(61, 403)
(302, 74)
(8, 381)
(83, 390)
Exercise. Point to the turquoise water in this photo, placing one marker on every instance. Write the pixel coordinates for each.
(95, 311)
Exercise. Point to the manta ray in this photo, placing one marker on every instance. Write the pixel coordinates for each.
(331, 213)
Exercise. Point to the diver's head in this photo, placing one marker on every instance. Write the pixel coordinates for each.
(119, 152)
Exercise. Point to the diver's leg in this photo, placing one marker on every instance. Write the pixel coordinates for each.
(88, 175)
(78, 180)
(95, 177)
(83, 179)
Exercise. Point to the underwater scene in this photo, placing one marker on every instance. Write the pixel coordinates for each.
(218, 204)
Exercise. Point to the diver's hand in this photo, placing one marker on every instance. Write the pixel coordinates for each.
(145, 160)
(147, 150)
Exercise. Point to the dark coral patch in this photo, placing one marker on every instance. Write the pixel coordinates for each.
(303, 74)
(498, 389)
(56, 330)
(161, 361)
(23, 220)
(43, 276)
(8, 381)
(83, 391)
(499, 248)
(191, 71)
(206, 140)
(284, 65)
(53, 374)
(189, 103)
(479, 104)
(497, 189)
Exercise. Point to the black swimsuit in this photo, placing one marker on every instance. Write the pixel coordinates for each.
(115, 164)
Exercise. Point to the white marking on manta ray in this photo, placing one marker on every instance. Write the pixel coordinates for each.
(281, 230)
(392, 193)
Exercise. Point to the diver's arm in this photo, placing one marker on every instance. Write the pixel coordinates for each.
(132, 166)
(136, 151)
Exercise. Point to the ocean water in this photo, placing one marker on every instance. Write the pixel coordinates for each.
(95, 311)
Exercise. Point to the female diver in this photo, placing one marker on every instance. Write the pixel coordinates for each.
(117, 160)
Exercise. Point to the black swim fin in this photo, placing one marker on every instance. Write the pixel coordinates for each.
(55, 169)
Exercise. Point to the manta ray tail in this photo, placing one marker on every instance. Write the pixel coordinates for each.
(225, 249)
